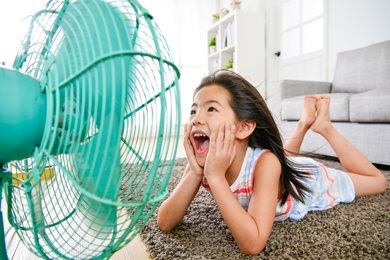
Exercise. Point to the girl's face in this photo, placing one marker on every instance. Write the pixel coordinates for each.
(210, 110)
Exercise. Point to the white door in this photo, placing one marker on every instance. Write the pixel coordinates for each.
(300, 37)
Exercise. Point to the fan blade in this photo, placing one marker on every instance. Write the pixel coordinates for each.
(101, 97)
(89, 78)
(98, 168)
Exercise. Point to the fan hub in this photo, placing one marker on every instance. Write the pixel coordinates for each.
(22, 115)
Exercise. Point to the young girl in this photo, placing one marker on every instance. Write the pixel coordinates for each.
(234, 149)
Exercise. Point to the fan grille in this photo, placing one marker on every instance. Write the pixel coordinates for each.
(111, 130)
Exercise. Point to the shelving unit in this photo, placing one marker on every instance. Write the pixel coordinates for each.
(240, 37)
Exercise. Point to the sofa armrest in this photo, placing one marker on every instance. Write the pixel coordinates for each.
(280, 90)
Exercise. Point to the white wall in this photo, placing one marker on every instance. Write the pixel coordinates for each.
(354, 24)
(184, 24)
(14, 21)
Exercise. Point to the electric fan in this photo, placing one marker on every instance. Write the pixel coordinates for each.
(89, 125)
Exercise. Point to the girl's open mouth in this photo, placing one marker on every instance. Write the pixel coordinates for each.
(201, 142)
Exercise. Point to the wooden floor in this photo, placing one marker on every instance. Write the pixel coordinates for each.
(135, 250)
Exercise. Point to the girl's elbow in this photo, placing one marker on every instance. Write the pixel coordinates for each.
(252, 249)
(163, 225)
(164, 228)
(167, 222)
(384, 184)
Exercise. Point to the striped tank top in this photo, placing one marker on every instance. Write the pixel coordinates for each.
(328, 187)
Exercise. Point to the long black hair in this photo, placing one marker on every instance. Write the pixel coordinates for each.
(248, 104)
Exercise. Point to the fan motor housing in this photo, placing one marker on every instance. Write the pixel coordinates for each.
(22, 115)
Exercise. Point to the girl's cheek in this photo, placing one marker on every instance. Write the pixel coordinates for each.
(214, 128)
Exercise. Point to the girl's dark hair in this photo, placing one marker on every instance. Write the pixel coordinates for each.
(249, 104)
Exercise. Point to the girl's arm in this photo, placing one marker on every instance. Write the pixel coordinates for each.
(251, 229)
(172, 210)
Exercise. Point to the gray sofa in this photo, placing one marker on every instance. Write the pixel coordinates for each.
(359, 107)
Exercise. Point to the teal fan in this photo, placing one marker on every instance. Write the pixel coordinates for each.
(89, 124)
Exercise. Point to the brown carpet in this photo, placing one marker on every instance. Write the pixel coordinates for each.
(360, 230)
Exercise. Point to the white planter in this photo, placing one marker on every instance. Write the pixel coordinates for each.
(223, 12)
(212, 49)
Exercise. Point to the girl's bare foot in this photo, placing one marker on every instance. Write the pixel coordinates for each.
(322, 122)
(309, 111)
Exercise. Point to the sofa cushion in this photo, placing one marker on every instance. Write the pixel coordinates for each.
(291, 108)
(372, 106)
(338, 108)
(362, 69)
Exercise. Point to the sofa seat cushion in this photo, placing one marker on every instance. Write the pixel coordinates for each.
(371, 106)
(338, 108)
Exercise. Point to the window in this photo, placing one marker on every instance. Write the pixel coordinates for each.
(302, 27)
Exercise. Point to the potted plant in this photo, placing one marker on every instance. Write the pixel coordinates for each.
(235, 4)
(212, 45)
(229, 64)
(223, 12)
(215, 17)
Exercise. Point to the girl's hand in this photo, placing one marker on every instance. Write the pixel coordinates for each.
(193, 164)
(221, 152)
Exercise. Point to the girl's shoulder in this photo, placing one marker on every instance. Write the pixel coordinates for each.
(256, 164)
(253, 158)
(260, 160)
(254, 155)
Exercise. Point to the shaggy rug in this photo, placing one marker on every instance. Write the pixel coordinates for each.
(360, 230)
